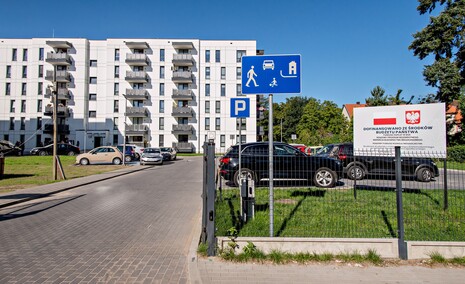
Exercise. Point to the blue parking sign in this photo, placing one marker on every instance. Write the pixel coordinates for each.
(240, 107)
(271, 74)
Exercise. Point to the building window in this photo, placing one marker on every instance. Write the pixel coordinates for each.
(207, 90)
(115, 123)
(92, 97)
(39, 105)
(12, 123)
(25, 54)
(239, 55)
(92, 113)
(223, 73)
(41, 54)
(116, 89)
(24, 71)
(7, 89)
(162, 106)
(217, 56)
(39, 122)
(162, 89)
(162, 55)
(162, 72)
(41, 71)
(218, 123)
(23, 124)
(23, 105)
(14, 54)
(161, 140)
(207, 72)
(222, 140)
(117, 54)
(116, 71)
(207, 106)
(38, 140)
(12, 106)
(218, 107)
(116, 106)
(8, 71)
(93, 80)
(207, 123)
(23, 89)
(161, 123)
(207, 55)
(241, 121)
(239, 90)
(238, 73)
(93, 63)
(223, 90)
(115, 139)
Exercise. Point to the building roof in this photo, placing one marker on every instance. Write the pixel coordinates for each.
(350, 108)
(453, 110)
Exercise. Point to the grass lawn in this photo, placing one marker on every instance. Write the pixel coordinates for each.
(334, 213)
(29, 171)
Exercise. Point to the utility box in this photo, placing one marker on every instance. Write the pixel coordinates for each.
(248, 199)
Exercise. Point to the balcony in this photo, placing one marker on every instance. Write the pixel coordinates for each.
(137, 44)
(63, 94)
(136, 76)
(58, 59)
(61, 77)
(62, 111)
(182, 77)
(183, 59)
(137, 59)
(136, 112)
(184, 147)
(140, 94)
(58, 44)
(61, 129)
(182, 129)
(182, 95)
(136, 129)
(183, 45)
(182, 112)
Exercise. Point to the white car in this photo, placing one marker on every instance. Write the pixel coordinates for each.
(268, 64)
(151, 156)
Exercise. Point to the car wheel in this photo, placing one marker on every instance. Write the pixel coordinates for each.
(127, 159)
(116, 161)
(325, 178)
(424, 175)
(42, 153)
(356, 172)
(84, 162)
(249, 174)
(71, 153)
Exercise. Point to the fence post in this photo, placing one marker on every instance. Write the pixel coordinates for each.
(203, 237)
(446, 198)
(210, 198)
(400, 210)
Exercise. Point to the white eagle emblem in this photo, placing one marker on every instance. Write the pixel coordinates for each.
(412, 117)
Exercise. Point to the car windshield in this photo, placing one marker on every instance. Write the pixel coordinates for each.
(165, 149)
(325, 149)
(151, 150)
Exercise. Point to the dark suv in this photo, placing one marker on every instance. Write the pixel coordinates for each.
(288, 164)
(358, 167)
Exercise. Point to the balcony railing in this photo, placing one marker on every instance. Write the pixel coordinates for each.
(132, 94)
(183, 59)
(61, 110)
(182, 129)
(182, 95)
(136, 76)
(184, 147)
(61, 129)
(137, 59)
(61, 77)
(182, 77)
(136, 112)
(136, 129)
(58, 58)
(63, 94)
(182, 112)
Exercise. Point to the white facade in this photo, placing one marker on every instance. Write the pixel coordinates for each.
(159, 92)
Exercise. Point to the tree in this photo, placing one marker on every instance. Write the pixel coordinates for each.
(377, 97)
(443, 38)
(397, 100)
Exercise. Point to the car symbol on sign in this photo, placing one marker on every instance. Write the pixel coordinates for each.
(268, 64)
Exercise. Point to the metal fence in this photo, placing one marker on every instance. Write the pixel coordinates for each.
(363, 203)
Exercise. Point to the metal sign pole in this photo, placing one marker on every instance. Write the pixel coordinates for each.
(270, 157)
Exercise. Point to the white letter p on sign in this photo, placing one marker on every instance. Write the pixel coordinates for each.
(240, 106)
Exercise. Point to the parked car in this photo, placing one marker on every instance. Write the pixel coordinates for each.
(101, 155)
(9, 149)
(138, 150)
(289, 164)
(62, 149)
(358, 167)
(151, 156)
(129, 154)
(169, 153)
(301, 147)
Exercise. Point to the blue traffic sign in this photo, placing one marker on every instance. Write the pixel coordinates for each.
(271, 74)
(240, 107)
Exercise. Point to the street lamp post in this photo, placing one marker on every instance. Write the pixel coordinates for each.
(124, 132)
(55, 121)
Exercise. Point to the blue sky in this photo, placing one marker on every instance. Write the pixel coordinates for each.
(347, 47)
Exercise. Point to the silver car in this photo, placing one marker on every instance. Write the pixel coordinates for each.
(151, 156)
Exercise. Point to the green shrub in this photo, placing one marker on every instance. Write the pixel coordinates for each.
(456, 153)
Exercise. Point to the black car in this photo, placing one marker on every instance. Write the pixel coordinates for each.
(9, 149)
(289, 164)
(358, 167)
(62, 149)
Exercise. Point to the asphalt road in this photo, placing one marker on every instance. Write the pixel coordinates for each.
(135, 228)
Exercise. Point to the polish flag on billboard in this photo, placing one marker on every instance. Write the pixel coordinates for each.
(384, 118)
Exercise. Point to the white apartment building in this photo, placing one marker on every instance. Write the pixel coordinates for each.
(157, 92)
